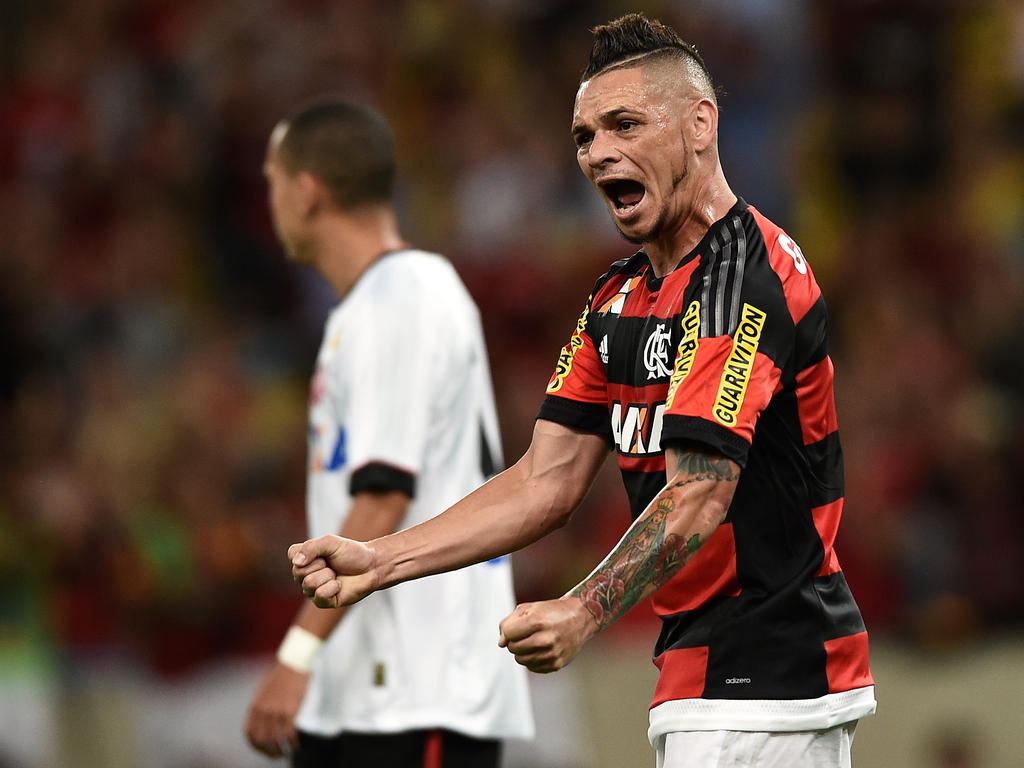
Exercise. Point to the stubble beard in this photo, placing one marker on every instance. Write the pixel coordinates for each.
(650, 234)
(654, 231)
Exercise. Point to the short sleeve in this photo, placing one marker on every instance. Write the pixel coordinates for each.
(577, 393)
(720, 385)
(394, 351)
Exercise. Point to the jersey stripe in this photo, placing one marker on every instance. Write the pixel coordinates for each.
(707, 579)
(826, 522)
(811, 342)
(741, 260)
(846, 663)
(841, 616)
(722, 279)
(758, 611)
(681, 674)
(825, 470)
(815, 402)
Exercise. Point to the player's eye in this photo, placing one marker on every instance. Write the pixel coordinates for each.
(627, 125)
(582, 139)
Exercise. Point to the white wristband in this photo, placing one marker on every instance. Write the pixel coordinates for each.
(298, 649)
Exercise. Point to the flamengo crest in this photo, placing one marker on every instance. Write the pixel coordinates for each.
(656, 353)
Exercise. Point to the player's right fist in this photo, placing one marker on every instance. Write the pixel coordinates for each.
(332, 570)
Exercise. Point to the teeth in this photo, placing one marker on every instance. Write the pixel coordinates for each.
(624, 194)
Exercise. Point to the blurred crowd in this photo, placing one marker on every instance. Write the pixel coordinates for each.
(157, 345)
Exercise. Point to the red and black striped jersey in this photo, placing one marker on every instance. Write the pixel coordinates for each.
(730, 350)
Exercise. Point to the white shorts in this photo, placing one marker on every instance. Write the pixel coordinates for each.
(756, 749)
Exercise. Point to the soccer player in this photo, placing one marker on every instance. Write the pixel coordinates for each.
(702, 361)
(402, 423)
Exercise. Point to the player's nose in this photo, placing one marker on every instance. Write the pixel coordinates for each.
(602, 150)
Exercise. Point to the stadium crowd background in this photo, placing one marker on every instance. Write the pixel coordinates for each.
(157, 345)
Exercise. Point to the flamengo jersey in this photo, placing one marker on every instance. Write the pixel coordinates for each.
(730, 350)
(402, 399)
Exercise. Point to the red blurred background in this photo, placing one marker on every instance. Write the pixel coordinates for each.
(157, 345)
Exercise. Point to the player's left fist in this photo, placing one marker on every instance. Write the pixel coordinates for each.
(546, 636)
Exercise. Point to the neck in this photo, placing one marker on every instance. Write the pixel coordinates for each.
(351, 241)
(712, 199)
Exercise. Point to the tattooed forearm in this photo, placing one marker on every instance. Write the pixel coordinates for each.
(611, 589)
(673, 556)
(648, 556)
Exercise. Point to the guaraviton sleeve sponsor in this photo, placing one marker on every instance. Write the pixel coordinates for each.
(738, 366)
(568, 352)
(686, 351)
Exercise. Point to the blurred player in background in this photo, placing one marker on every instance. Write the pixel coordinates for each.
(701, 360)
(402, 424)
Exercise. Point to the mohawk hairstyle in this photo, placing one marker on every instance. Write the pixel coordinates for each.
(634, 36)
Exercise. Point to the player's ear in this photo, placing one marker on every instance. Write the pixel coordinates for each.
(703, 124)
(312, 192)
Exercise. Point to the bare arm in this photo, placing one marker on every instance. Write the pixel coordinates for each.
(519, 506)
(545, 636)
(270, 722)
(373, 514)
(664, 538)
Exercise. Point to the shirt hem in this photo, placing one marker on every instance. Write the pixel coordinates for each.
(766, 715)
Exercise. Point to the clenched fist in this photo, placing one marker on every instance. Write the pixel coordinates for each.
(546, 636)
(332, 570)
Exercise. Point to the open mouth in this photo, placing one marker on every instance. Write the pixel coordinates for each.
(625, 194)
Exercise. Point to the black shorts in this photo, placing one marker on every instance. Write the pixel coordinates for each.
(436, 748)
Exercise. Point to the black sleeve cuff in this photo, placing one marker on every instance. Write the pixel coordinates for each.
(716, 437)
(382, 477)
(588, 417)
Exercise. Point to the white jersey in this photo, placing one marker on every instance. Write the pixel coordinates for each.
(402, 399)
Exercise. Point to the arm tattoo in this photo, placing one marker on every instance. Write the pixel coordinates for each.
(696, 463)
(647, 555)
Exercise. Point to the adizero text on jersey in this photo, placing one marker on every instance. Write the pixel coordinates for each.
(730, 350)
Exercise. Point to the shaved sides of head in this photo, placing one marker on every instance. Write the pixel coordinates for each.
(634, 40)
